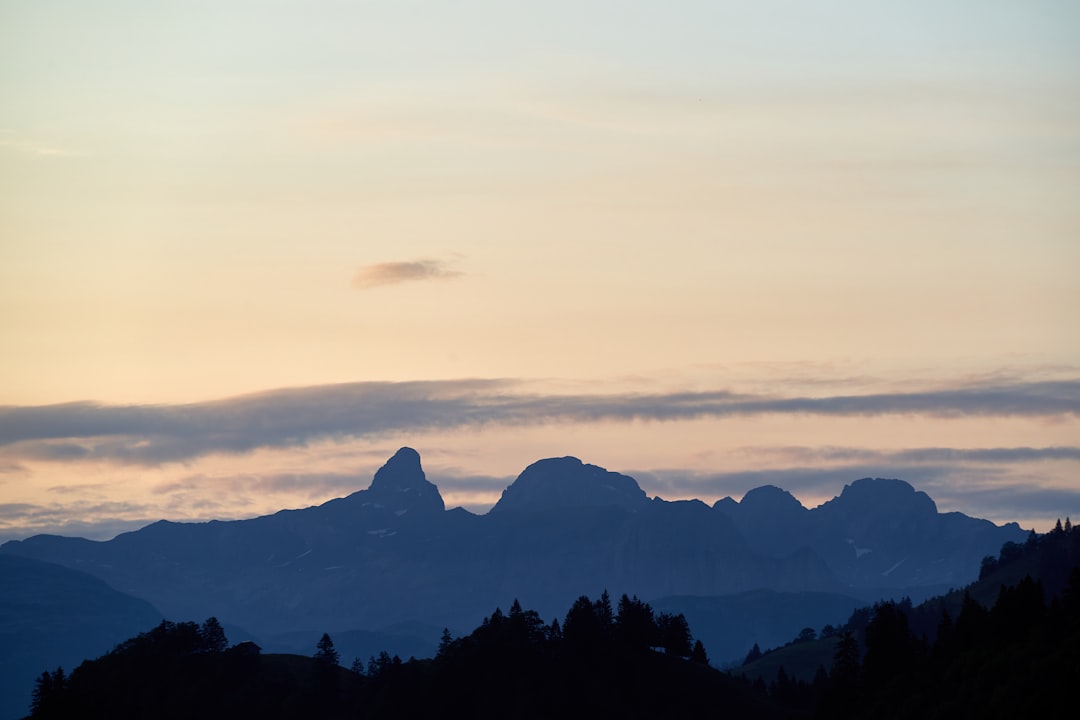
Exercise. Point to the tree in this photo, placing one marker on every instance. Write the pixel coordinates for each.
(325, 652)
(754, 654)
(357, 666)
(846, 666)
(674, 634)
(554, 632)
(445, 643)
(378, 666)
(698, 653)
(807, 634)
(47, 693)
(635, 627)
(604, 612)
(213, 635)
(581, 629)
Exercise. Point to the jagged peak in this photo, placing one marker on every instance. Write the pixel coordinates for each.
(401, 483)
(568, 482)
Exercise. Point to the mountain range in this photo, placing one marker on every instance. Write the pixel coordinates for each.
(392, 556)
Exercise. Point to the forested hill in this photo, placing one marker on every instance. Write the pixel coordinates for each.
(600, 662)
(1005, 646)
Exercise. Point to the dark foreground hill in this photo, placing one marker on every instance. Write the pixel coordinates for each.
(1015, 655)
(599, 662)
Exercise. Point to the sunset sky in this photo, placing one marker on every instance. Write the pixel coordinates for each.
(249, 249)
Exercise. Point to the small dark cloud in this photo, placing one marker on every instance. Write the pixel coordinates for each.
(393, 273)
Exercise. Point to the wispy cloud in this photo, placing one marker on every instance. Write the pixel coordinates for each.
(394, 273)
(152, 434)
(96, 520)
(30, 146)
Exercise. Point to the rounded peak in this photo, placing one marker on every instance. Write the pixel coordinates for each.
(568, 482)
(887, 494)
(404, 456)
(770, 496)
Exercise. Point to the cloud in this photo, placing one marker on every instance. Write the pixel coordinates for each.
(311, 484)
(153, 434)
(910, 456)
(393, 273)
(31, 146)
(94, 520)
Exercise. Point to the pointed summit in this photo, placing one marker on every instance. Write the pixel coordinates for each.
(568, 482)
(400, 484)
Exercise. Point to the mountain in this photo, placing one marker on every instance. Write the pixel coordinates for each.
(879, 535)
(393, 554)
(52, 615)
(559, 483)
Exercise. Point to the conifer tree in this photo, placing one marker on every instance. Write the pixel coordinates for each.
(445, 642)
(325, 651)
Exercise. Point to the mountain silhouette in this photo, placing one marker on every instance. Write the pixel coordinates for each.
(392, 554)
(559, 483)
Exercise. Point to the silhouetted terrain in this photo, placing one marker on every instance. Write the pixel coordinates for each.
(1015, 655)
(731, 624)
(393, 554)
(601, 661)
(1016, 658)
(51, 615)
(386, 566)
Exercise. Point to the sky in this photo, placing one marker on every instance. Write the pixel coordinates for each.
(249, 249)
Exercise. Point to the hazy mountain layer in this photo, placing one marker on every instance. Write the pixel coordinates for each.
(393, 554)
(52, 615)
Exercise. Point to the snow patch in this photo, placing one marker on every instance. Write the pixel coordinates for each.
(886, 573)
(859, 552)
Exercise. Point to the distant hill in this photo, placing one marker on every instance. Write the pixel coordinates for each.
(52, 615)
(392, 553)
(729, 625)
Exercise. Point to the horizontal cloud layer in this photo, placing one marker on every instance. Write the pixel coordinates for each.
(151, 434)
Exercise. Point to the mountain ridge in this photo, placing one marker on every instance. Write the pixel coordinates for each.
(393, 553)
